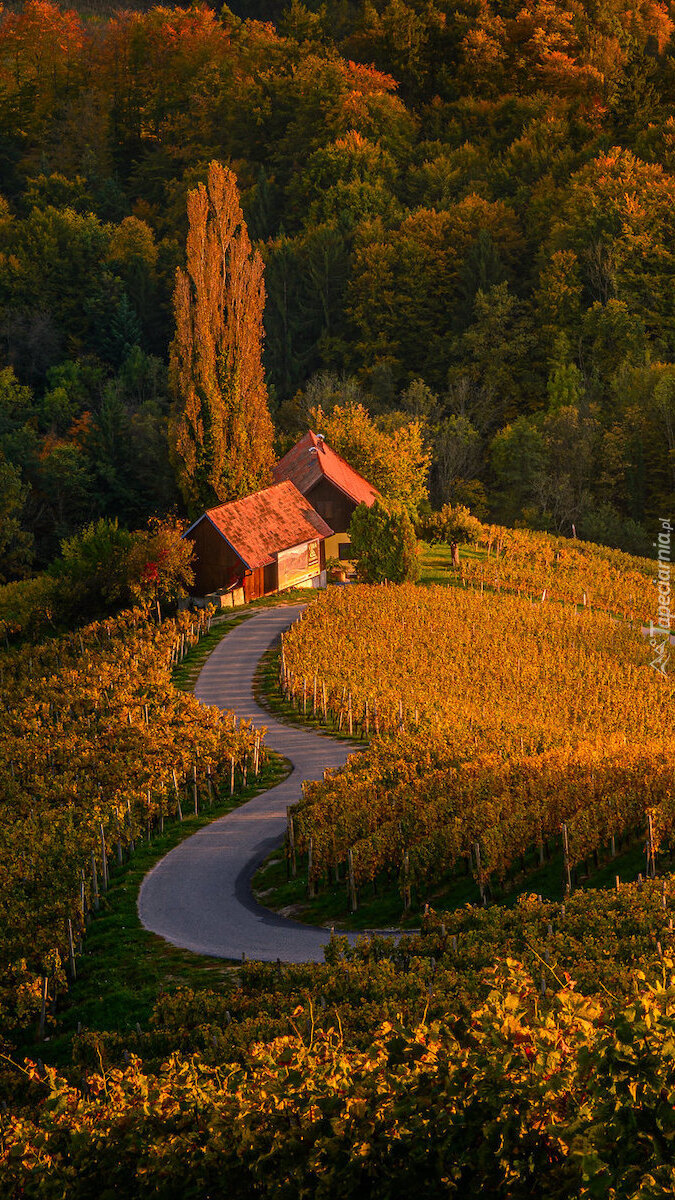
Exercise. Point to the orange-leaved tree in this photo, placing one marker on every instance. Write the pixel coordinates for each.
(220, 431)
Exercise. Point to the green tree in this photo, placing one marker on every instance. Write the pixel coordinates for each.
(565, 385)
(124, 331)
(91, 573)
(518, 455)
(496, 348)
(456, 456)
(384, 544)
(16, 544)
(56, 260)
(64, 494)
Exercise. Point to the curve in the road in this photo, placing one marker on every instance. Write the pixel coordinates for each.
(199, 895)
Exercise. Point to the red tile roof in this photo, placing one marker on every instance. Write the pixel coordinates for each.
(259, 526)
(312, 460)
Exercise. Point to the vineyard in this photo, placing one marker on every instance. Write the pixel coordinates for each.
(499, 1051)
(500, 721)
(565, 570)
(523, 1051)
(97, 751)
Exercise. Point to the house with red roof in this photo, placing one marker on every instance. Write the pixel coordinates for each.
(331, 486)
(263, 543)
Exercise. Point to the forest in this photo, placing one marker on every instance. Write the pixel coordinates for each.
(466, 217)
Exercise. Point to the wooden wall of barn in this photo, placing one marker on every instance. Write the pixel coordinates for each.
(261, 582)
(218, 568)
(331, 504)
(216, 565)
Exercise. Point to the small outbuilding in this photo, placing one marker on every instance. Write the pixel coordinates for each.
(332, 487)
(266, 542)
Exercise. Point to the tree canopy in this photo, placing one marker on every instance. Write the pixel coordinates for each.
(472, 198)
(221, 431)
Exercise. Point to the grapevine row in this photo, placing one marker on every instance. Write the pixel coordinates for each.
(510, 720)
(97, 750)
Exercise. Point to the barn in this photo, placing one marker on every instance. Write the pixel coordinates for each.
(332, 487)
(263, 543)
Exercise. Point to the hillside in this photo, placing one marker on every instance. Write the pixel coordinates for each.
(384, 909)
(466, 216)
(504, 1044)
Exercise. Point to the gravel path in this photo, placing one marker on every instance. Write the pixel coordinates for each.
(199, 895)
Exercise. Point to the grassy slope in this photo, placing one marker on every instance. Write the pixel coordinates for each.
(436, 563)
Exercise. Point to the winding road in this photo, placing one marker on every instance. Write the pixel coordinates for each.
(199, 895)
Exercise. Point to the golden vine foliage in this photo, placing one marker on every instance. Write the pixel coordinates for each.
(221, 432)
(464, 1062)
(91, 734)
(501, 719)
(566, 569)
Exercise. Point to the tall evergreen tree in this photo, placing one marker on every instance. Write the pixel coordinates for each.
(220, 431)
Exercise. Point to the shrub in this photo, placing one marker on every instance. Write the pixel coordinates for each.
(605, 526)
(105, 567)
(91, 573)
(384, 544)
(27, 606)
(159, 563)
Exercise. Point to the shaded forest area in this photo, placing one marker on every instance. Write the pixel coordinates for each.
(466, 211)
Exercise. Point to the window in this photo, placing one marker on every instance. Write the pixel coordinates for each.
(344, 550)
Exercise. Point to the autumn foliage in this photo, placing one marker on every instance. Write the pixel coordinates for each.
(94, 738)
(221, 430)
(499, 719)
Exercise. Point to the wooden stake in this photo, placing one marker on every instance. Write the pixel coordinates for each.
(232, 776)
(194, 788)
(71, 949)
(291, 843)
(406, 881)
(566, 859)
(94, 881)
(651, 856)
(175, 788)
(350, 877)
(104, 860)
(311, 887)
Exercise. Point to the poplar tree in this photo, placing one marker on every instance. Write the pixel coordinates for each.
(220, 431)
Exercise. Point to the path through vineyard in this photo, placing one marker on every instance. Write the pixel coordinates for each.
(199, 896)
